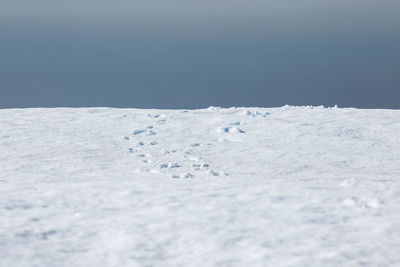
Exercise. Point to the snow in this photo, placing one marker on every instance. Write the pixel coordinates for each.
(289, 186)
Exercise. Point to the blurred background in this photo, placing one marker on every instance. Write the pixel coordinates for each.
(195, 54)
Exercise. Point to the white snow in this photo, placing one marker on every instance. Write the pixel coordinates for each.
(290, 186)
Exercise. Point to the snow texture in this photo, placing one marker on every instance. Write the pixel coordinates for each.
(289, 186)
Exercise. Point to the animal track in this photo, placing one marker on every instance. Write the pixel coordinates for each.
(256, 114)
(230, 130)
(150, 133)
(199, 166)
(153, 115)
(140, 143)
(169, 165)
(217, 173)
(136, 132)
(182, 175)
(147, 132)
(191, 162)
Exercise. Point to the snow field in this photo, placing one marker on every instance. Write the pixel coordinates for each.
(289, 186)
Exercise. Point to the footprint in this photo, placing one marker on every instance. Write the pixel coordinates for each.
(196, 166)
(131, 150)
(141, 156)
(150, 133)
(203, 165)
(182, 175)
(199, 166)
(164, 152)
(195, 144)
(236, 130)
(217, 173)
(256, 114)
(150, 127)
(186, 175)
(170, 165)
(224, 130)
(162, 121)
(136, 132)
(153, 115)
(230, 130)
(140, 143)
(212, 172)
(126, 137)
(235, 123)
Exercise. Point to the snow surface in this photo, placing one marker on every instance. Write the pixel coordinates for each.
(290, 186)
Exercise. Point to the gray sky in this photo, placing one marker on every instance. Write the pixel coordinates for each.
(191, 54)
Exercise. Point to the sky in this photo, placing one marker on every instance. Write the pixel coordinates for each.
(195, 54)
